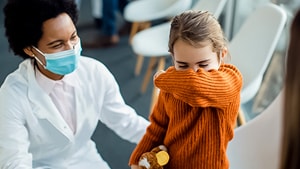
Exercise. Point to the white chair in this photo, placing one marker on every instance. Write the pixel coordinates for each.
(252, 47)
(257, 144)
(142, 12)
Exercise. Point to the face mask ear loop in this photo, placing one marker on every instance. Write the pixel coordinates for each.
(37, 59)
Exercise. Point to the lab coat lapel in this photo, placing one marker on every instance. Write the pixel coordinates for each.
(43, 106)
(78, 102)
(84, 104)
(49, 112)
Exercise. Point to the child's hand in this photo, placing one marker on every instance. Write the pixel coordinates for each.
(134, 167)
(158, 73)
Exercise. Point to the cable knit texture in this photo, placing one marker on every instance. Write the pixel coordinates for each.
(194, 117)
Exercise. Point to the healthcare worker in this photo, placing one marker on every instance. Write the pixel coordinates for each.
(50, 105)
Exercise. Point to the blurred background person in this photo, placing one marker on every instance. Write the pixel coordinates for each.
(108, 25)
(291, 115)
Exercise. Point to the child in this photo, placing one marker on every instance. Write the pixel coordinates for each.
(199, 98)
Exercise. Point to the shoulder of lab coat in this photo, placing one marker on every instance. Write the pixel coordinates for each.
(13, 134)
(114, 112)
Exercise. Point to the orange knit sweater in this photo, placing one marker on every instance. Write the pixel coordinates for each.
(194, 117)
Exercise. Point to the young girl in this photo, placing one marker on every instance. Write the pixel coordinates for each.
(199, 98)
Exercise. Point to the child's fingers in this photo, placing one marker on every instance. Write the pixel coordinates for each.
(158, 73)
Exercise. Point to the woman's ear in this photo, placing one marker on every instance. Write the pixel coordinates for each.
(28, 51)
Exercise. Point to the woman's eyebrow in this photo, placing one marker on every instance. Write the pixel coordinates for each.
(74, 33)
(60, 40)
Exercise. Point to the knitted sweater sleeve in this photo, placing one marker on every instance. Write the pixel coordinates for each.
(155, 133)
(202, 88)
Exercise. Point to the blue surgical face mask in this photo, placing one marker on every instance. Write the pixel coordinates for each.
(63, 62)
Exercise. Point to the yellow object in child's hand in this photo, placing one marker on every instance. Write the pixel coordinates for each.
(162, 158)
(155, 159)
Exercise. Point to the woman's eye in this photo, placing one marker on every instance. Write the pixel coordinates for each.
(57, 46)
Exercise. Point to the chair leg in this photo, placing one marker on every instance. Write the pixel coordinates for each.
(241, 118)
(137, 26)
(154, 98)
(148, 74)
(145, 25)
(155, 92)
(139, 64)
(134, 29)
(161, 64)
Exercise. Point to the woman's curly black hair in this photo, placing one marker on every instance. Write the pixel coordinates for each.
(23, 20)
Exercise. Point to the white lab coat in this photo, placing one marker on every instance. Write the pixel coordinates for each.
(33, 134)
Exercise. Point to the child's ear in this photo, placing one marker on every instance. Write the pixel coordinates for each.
(224, 52)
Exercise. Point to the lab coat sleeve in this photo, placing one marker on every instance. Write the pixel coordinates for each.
(14, 141)
(119, 116)
(14, 136)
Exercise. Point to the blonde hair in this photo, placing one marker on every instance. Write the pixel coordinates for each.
(197, 28)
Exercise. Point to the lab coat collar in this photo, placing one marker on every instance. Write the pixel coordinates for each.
(48, 84)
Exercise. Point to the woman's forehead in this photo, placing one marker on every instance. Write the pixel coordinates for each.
(58, 27)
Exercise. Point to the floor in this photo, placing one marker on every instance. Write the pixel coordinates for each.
(120, 60)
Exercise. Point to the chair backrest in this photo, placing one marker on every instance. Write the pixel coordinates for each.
(256, 145)
(214, 6)
(252, 47)
(148, 10)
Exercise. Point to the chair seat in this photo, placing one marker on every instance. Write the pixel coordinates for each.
(153, 46)
(256, 145)
(250, 90)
